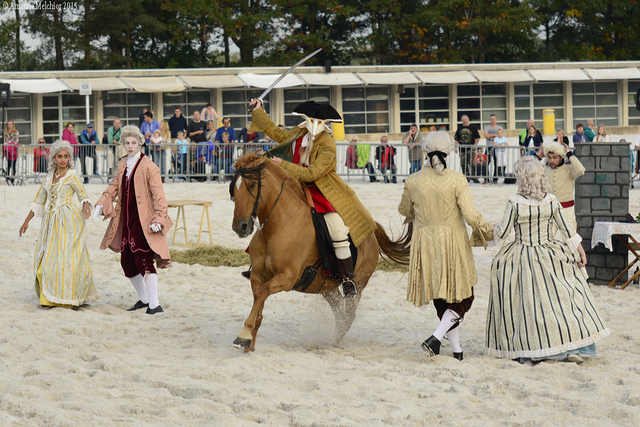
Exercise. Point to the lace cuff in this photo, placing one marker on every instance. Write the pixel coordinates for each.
(88, 201)
(574, 242)
(38, 210)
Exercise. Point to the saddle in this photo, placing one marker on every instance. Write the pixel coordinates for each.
(327, 258)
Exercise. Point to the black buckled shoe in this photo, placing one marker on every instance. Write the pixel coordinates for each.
(158, 309)
(457, 356)
(349, 289)
(138, 306)
(431, 346)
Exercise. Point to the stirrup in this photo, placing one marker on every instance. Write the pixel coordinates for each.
(348, 288)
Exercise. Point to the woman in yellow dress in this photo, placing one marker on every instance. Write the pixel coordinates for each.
(61, 266)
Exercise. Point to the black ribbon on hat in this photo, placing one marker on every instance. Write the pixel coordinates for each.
(440, 155)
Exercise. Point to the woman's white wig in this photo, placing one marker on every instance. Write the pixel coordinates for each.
(437, 141)
(131, 130)
(531, 177)
(58, 146)
(555, 147)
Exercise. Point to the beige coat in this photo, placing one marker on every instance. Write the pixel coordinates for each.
(561, 181)
(441, 264)
(322, 172)
(152, 208)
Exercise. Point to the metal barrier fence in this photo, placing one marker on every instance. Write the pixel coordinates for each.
(214, 162)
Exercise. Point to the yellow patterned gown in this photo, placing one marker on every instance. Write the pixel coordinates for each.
(441, 264)
(540, 305)
(61, 266)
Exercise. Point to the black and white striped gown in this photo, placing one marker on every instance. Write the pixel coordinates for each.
(540, 304)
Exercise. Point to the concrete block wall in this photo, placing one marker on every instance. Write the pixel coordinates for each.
(602, 194)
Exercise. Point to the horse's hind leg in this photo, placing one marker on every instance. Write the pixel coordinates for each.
(344, 311)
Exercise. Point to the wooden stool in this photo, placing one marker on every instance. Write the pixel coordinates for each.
(180, 204)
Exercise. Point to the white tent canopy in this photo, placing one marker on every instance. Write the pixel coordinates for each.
(215, 81)
(446, 77)
(330, 79)
(559, 75)
(102, 83)
(155, 84)
(613, 73)
(263, 81)
(389, 78)
(503, 76)
(36, 85)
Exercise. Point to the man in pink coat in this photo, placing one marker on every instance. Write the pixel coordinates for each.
(139, 220)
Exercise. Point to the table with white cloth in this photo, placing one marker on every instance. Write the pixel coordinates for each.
(602, 233)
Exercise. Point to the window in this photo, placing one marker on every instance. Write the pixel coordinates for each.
(634, 115)
(295, 97)
(532, 98)
(63, 108)
(429, 107)
(479, 102)
(595, 100)
(188, 102)
(234, 105)
(19, 111)
(366, 109)
(126, 106)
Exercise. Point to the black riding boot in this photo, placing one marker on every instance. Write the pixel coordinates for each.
(347, 285)
(247, 274)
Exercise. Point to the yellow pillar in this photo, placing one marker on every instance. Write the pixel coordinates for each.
(338, 131)
(549, 122)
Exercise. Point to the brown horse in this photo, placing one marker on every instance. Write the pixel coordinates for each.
(285, 244)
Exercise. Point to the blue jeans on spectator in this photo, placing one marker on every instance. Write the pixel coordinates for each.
(415, 166)
(160, 159)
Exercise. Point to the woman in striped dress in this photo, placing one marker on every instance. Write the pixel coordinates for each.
(540, 305)
(62, 268)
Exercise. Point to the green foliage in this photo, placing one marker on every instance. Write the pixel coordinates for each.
(201, 33)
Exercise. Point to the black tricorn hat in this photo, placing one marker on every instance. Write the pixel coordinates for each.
(314, 110)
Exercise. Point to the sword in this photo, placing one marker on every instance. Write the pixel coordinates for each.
(261, 97)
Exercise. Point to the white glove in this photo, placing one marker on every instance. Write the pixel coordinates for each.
(97, 212)
(155, 227)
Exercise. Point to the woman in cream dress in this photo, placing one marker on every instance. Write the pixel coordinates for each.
(540, 305)
(441, 267)
(62, 269)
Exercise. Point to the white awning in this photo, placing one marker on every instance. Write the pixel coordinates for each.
(503, 76)
(388, 78)
(446, 77)
(155, 84)
(263, 81)
(215, 81)
(330, 79)
(36, 85)
(103, 83)
(559, 75)
(613, 73)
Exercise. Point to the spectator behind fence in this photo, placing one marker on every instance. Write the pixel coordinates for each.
(602, 135)
(416, 156)
(480, 164)
(532, 142)
(41, 157)
(165, 133)
(561, 138)
(466, 137)
(141, 120)
(579, 136)
(588, 130)
(386, 156)
(490, 134)
(88, 139)
(148, 127)
(363, 154)
(501, 153)
(351, 161)
(196, 132)
(115, 149)
(69, 135)
(10, 150)
(209, 113)
(177, 123)
(226, 153)
(181, 156)
(212, 151)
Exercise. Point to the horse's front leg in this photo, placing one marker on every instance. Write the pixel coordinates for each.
(280, 282)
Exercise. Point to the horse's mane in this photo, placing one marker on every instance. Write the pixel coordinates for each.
(252, 160)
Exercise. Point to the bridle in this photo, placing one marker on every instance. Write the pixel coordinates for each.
(252, 175)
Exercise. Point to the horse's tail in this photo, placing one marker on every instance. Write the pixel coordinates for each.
(397, 251)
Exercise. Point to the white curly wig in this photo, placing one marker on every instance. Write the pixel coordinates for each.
(555, 147)
(131, 130)
(531, 177)
(58, 146)
(437, 141)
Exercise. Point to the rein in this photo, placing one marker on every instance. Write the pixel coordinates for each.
(254, 173)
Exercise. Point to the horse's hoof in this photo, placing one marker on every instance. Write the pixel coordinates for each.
(241, 343)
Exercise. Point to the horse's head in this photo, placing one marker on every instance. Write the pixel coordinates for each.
(245, 190)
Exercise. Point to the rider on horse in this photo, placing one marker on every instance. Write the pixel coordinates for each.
(313, 154)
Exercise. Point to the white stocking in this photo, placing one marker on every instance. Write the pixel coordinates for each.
(152, 287)
(448, 319)
(138, 283)
(454, 340)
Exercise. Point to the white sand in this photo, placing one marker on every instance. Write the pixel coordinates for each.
(102, 366)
